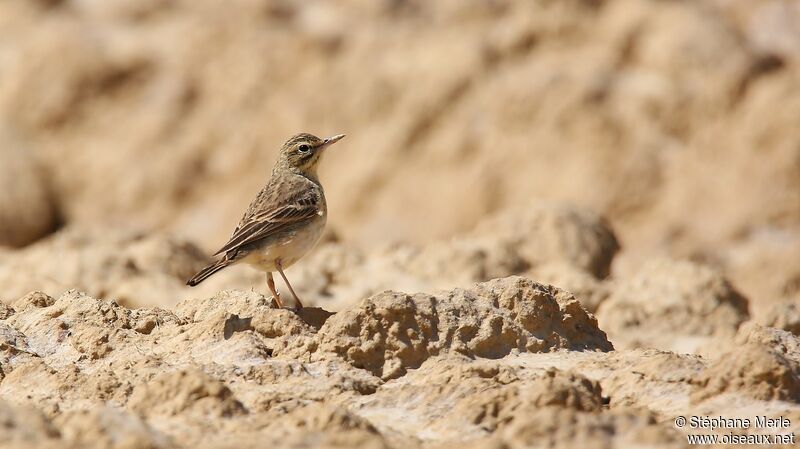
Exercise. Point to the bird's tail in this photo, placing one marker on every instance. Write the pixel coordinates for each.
(208, 271)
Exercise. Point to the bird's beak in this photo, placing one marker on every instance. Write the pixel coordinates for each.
(331, 140)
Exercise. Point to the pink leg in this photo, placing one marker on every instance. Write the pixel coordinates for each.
(298, 304)
(271, 285)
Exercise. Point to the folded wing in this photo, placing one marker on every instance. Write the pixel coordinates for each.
(268, 223)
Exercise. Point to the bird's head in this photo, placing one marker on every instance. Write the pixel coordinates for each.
(303, 152)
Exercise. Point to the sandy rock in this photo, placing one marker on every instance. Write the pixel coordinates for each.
(77, 325)
(131, 267)
(497, 408)
(765, 365)
(33, 299)
(81, 348)
(659, 381)
(558, 244)
(5, 311)
(764, 266)
(566, 390)
(672, 305)
(319, 426)
(590, 291)
(319, 419)
(100, 427)
(277, 378)
(553, 234)
(105, 427)
(27, 208)
(338, 440)
(484, 403)
(391, 332)
(513, 241)
(25, 427)
(461, 261)
(50, 386)
(221, 320)
(182, 392)
(281, 386)
(459, 398)
(229, 302)
(82, 351)
(784, 315)
(564, 427)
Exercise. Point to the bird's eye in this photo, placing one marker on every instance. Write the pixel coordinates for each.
(304, 148)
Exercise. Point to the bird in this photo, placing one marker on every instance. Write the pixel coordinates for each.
(284, 221)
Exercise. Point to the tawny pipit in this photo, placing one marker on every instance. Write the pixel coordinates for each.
(285, 220)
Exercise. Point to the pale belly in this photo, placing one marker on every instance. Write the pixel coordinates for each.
(288, 249)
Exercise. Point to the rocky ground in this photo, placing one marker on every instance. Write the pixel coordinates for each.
(552, 223)
(510, 362)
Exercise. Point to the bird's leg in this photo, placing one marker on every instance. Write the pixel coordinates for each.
(298, 304)
(271, 285)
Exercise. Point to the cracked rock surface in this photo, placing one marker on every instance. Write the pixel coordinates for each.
(506, 362)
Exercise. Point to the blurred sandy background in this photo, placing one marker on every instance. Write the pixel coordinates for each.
(141, 129)
(676, 120)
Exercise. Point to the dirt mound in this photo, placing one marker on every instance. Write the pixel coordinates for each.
(182, 393)
(499, 407)
(505, 363)
(325, 426)
(766, 365)
(107, 427)
(764, 266)
(392, 332)
(558, 427)
(134, 268)
(784, 315)
(25, 426)
(27, 208)
(650, 379)
(99, 427)
(553, 243)
(589, 290)
(317, 425)
(548, 234)
(672, 305)
(234, 363)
